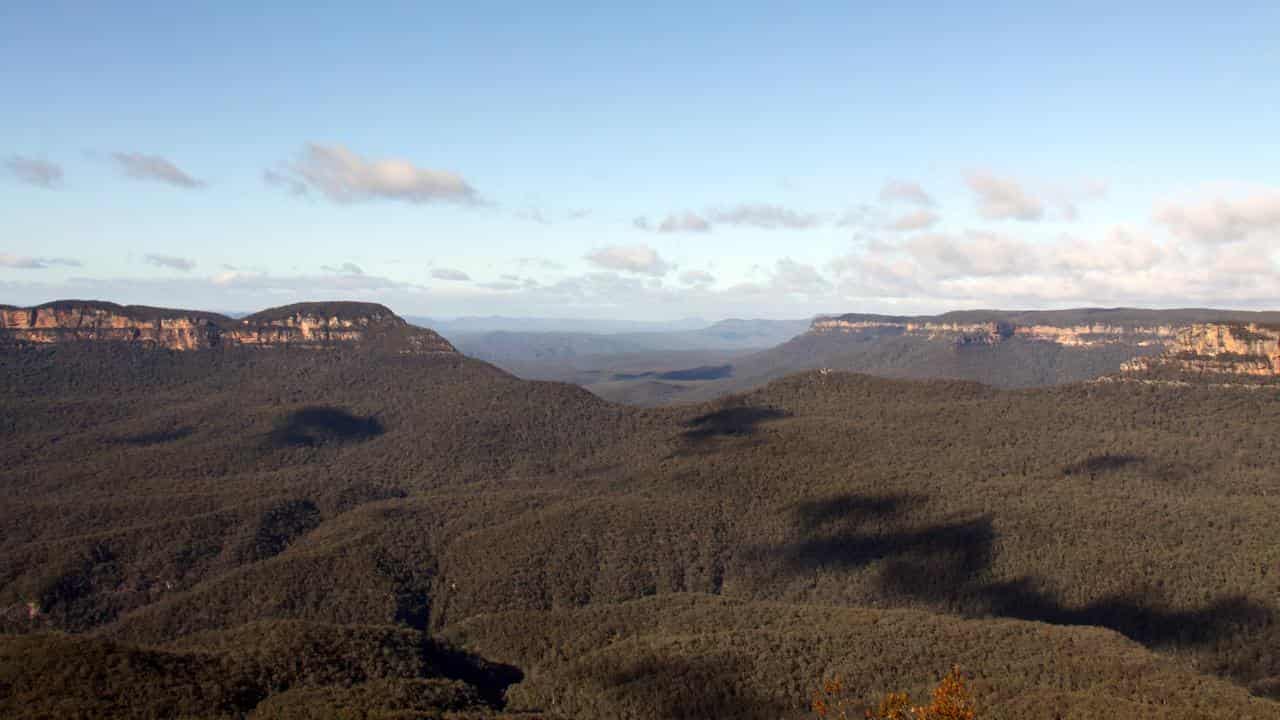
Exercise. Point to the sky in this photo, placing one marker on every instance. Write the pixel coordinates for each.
(663, 161)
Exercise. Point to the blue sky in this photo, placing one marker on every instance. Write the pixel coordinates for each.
(645, 163)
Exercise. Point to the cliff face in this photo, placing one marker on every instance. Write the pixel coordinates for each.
(997, 331)
(70, 320)
(1228, 347)
(1217, 349)
(305, 325)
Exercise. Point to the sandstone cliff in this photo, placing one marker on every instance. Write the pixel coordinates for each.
(1217, 349)
(1187, 341)
(304, 325)
(996, 331)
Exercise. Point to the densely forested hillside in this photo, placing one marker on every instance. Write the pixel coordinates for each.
(289, 534)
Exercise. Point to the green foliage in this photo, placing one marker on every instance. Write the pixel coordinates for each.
(150, 501)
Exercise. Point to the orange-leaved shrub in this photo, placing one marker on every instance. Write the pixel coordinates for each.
(951, 701)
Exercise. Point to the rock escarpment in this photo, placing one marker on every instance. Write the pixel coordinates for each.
(303, 325)
(1185, 341)
(1217, 349)
(996, 331)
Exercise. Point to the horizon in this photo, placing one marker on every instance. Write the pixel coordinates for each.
(642, 164)
(689, 321)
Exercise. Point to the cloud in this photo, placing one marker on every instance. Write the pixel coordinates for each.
(767, 217)
(508, 283)
(682, 222)
(1122, 265)
(697, 277)
(915, 220)
(862, 217)
(975, 254)
(1067, 198)
(1121, 248)
(640, 259)
(33, 171)
(293, 185)
(1004, 199)
(156, 169)
(906, 192)
(170, 262)
(305, 286)
(538, 263)
(450, 275)
(790, 276)
(20, 262)
(346, 268)
(757, 215)
(1224, 220)
(345, 177)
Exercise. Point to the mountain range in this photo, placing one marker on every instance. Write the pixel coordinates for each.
(355, 519)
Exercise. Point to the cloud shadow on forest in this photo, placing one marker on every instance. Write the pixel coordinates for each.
(947, 564)
(730, 422)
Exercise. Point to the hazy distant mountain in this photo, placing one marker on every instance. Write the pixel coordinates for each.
(498, 323)
(633, 367)
(1012, 349)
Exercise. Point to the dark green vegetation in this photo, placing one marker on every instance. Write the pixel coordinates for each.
(307, 534)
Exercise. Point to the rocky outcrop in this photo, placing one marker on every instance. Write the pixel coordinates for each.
(997, 331)
(1216, 349)
(304, 325)
(1162, 342)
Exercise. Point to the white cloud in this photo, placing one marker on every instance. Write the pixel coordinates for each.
(790, 276)
(450, 275)
(538, 263)
(905, 191)
(980, 254)
(21, 262)
(767, 217)
(915, 220)
(1223, 219)
(344, 177)
(154, 168)
(346, 268)
(697, 277)
(680, 222)
(757, 215)
(171, 262)
(304, 287)
(640, 259)
(1121, 249)
(1067, 198)
(34, 171)
(1004, 199)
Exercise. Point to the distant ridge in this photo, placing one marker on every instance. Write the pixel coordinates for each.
(1076, 316)
(308, 325)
